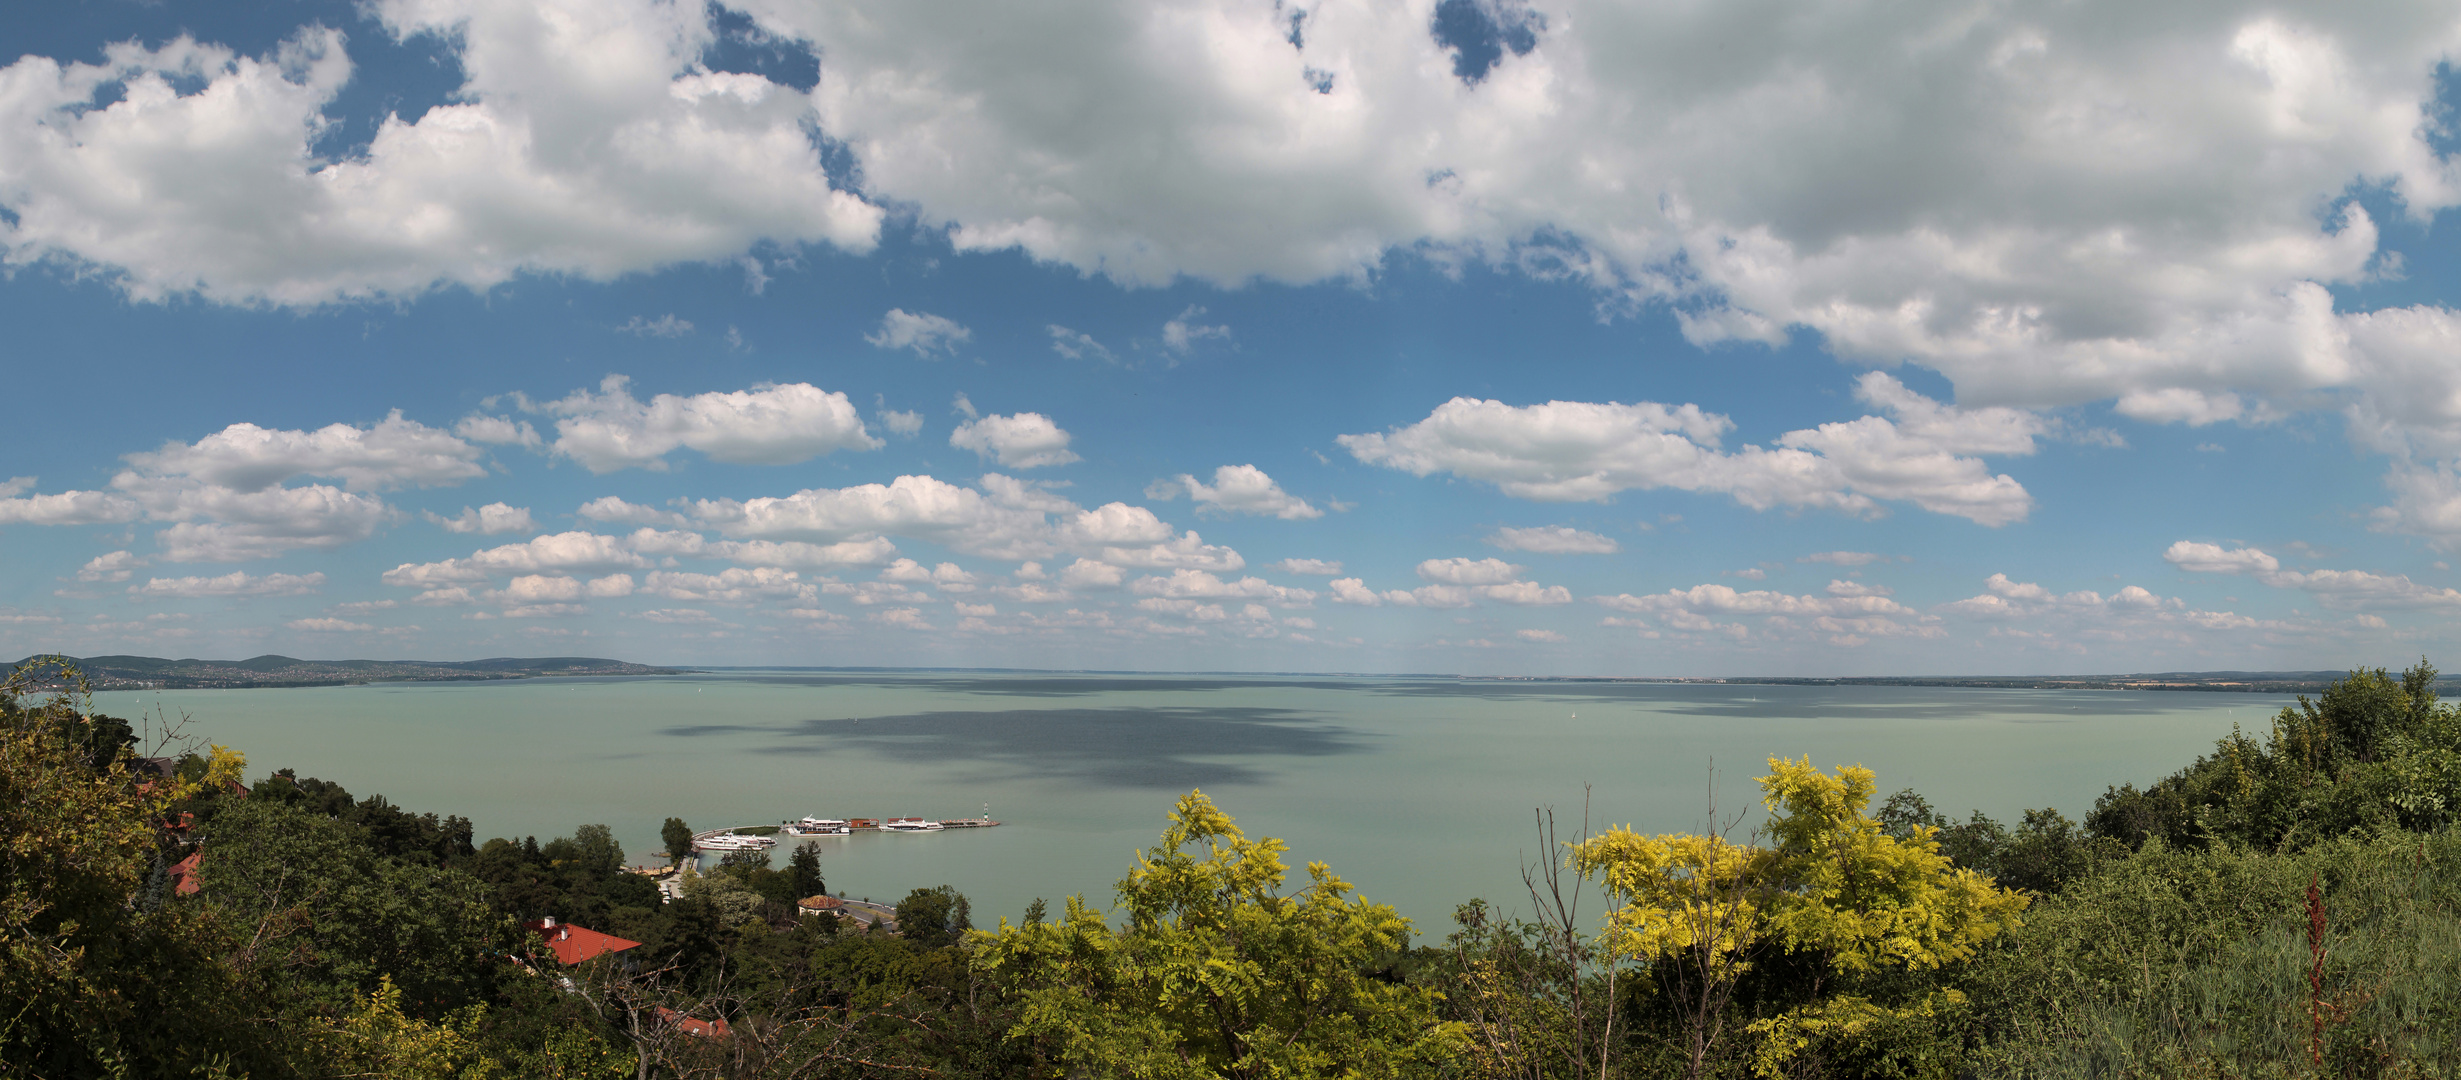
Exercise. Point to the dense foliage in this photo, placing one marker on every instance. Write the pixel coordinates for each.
(2289, 905)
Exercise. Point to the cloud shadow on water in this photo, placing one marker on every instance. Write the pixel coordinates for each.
(1128, 747)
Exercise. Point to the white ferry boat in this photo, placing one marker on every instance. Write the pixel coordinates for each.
(733, 842)
(910, 825)
(816, 826)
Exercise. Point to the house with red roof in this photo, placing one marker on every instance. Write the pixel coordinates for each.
(574, 944)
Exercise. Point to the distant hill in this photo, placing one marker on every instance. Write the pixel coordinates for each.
(154, 672)
(2245, 682)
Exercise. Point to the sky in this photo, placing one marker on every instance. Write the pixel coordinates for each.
(1478, 336)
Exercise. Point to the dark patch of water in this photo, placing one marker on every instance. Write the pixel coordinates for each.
(1169, 748)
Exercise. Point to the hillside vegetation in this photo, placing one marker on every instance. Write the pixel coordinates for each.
(2288, 905)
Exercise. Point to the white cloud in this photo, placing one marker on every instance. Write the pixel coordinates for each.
(1323, 567)
(1006, 522)
(1078, 346)
(1236, 489)
(767, 425)
(490, 519)
(665, 326)
(1189, 551)
(1585, 451)
(797, 554)
(1554, 540)
(247, 458)
(2204, 558)
(1469, 571)
(2341, 590)
(902, 424)
(497, 430)
(69, 508)
(110, 566)
(234, 583)
(927, 334)
(734, 585)
(1852, 589)
(1023, 441)
(1354, 591)
(1542, 637)
(907, 618)
(329, 626)
(610, 508)
(1525, 593)
(1088, 574)
(1181, 335)
(586, 139)
(1200, 585)
(238, 525)
(556, 552)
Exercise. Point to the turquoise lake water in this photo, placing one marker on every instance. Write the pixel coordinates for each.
(1419, 791)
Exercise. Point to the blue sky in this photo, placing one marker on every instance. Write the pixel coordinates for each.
(1473, 337)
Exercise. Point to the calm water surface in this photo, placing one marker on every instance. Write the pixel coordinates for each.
(1418, 791)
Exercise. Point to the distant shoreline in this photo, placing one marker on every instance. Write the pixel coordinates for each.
(283, 672)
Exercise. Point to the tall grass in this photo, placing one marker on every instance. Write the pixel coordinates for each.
(2213, 964)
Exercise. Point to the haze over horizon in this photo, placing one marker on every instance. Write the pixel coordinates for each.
(1476, 336)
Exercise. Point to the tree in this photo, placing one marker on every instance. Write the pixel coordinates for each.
(678, 837)
(2374, 751)
(1216, 973)
(934, 918)
(1829, 884)
(803, 871)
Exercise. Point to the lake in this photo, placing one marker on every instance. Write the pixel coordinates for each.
(1417, 790)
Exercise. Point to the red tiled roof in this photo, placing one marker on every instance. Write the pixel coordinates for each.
(574, 944)
(184, 875)
(823, 902)
(707, 1029)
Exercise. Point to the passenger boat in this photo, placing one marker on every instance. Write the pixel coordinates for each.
(733, 842)
(816, 826)
(910, 825)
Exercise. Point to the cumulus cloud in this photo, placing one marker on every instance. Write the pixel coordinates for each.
(1842, 558)
(329, 626)
(234, 583)
(767, 425)
(391, 453)
(1587, 451)
(665, 326)
(902, 424)
(1319, 567)
(1236, 489)
(1181, 335)
(490, 519)
(2341, 590)
(927, 334)
(1553, 540)
(554, 553)
(1078, 346)
(224, 499)
(1023, 441)
(1201, 585)
(1469, 571)
(586, 139)
(109, 566)
(1846, 620)
(1542, 637)
(69, 508)
(610, 508)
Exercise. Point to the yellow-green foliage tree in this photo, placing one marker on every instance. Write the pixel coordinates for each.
(101, 973)
(1827, 881)
(1216, 973)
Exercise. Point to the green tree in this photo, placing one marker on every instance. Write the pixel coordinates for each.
(803, 871)
(2373, 751)
(934, 918)
(1830, 884)
(678, 838)
(1216, 973)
